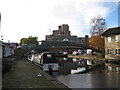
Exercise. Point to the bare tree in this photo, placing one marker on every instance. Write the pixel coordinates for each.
(98, 25)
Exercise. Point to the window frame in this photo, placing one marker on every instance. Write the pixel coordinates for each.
(109, 51)
(109, 39)
(117, 38)
(117, 51)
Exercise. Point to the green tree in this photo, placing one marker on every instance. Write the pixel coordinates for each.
(29, 40)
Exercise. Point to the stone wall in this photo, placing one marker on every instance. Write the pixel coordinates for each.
(113, 45)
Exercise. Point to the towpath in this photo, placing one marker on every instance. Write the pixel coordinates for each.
(24, 74)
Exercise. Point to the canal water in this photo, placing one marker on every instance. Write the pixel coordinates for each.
(72, 74)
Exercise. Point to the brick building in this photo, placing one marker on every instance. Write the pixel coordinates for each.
(112, 43)
(63, 34)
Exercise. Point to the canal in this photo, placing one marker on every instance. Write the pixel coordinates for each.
(74, 74)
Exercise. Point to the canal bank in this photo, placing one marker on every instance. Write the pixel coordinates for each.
(24, 74)
(94, 57)
(87, 57)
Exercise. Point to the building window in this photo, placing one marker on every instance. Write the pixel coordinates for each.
(109, 39)
(117, 38)
(106, 40)
(109, 51)
(118, 51)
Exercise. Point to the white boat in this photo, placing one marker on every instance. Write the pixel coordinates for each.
(47, 61)
(78, 70)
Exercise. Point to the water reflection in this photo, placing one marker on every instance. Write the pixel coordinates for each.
(70, 66)
(107, 76)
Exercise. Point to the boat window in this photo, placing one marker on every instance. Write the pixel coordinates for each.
(49, 58)
(49, 55)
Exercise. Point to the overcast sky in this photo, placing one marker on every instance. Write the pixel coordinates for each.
(22, 18)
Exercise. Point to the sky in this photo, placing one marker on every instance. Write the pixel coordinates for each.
(23, 18)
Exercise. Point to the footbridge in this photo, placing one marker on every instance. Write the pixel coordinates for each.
(62, 46)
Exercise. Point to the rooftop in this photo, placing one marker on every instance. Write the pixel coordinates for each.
(111, 31)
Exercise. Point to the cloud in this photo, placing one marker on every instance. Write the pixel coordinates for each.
(79, 13)
(22, 18)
